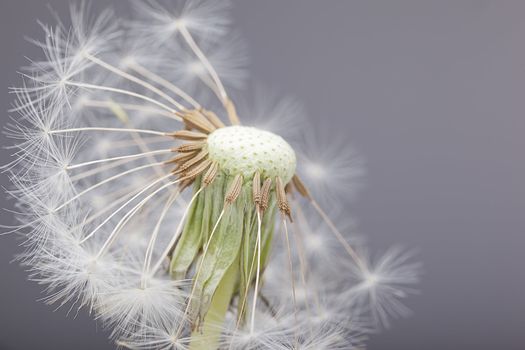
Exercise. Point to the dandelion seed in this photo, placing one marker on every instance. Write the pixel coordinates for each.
(144, 197)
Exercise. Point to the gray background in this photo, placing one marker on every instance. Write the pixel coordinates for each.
(432, 94)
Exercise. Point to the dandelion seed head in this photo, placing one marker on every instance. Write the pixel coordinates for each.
(144, 197)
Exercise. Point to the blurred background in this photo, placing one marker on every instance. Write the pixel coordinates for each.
(431, 93)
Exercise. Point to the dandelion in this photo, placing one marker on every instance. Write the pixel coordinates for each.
(144, 195)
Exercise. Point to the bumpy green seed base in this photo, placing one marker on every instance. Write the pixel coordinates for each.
(245, 150)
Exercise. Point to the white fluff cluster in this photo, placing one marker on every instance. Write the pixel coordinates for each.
(98, 209)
